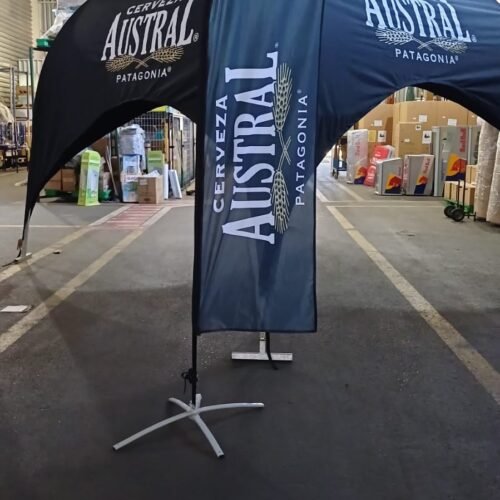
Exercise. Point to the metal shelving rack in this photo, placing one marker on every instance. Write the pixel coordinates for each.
(13, 136)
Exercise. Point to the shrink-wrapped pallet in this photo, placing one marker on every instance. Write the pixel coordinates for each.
(486, 164)
(493, 215)
(357, 156)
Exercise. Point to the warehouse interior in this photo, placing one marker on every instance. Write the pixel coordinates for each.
(395, 397)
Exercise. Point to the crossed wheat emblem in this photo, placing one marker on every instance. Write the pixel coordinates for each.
(165, 55)
(399, 37)
(281, 109)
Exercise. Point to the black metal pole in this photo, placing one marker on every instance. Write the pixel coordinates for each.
(198, 211)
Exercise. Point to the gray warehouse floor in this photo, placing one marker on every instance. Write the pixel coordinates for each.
(397, 396)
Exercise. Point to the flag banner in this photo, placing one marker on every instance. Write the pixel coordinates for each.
(257, 251)
(373, 48)
(113, 60)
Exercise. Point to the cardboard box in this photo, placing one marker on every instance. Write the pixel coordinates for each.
(412, 139)
(68, 180)
(451, 114)
(424, 112)
(470, 194)
(472, 119)
(379, 122)
(471, 174)
(454, 191)
(150, 190)
(55, 184)
(389, 177)
(102, 146)
(450, 191)
(418, 175)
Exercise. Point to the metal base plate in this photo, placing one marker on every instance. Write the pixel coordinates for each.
(251, 356)
(262, 354)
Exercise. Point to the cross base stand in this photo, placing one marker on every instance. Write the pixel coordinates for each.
(192, 412)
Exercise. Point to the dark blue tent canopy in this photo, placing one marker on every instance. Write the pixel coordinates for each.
(372, 48)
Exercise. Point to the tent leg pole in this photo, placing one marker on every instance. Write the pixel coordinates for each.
(24, 255)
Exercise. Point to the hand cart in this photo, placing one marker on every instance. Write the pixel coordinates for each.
(338, 164)
(457, 210)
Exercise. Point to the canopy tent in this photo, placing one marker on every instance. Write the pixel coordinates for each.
(117, 58)
(103, 70)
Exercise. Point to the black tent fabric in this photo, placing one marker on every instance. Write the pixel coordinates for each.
(113, 60)
(372, 48)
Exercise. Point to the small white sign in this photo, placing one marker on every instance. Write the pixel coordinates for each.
(423, 118)
(382, 137)
(378, 123)
(452, 122)
(418, 128)
(15, 309)
(427, 137)
(407, 141)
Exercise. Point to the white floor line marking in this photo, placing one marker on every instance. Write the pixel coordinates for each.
(23, 326)
(484, 373)
(55, 226)
(376, 206)
(349, 191)
(14, 269)
(321, 197)
(380, 200)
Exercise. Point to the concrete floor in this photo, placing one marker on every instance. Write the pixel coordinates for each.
(376, 406)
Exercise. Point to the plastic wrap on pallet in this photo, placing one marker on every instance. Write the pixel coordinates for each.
(65, 9)
(486, 164)
(357, 156)
(493, 215)
(132, 142)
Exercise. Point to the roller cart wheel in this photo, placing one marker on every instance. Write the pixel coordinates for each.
(458, 214)
(448, 211)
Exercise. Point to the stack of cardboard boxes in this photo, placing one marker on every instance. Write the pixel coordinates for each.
(408, 126)
(463, 193)
(379, 123)
(63, 182)
(413, 122)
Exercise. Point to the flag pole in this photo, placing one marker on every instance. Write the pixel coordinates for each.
(194, 410)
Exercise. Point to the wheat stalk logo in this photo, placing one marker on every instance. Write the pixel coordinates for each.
(281, 110)
(400, 37)
(281, 203)
(122, 62)
(397, 37)
(165, 55)
(282, 98)
(453, 46)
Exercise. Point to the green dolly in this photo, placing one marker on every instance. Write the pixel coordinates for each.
(457, 210)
